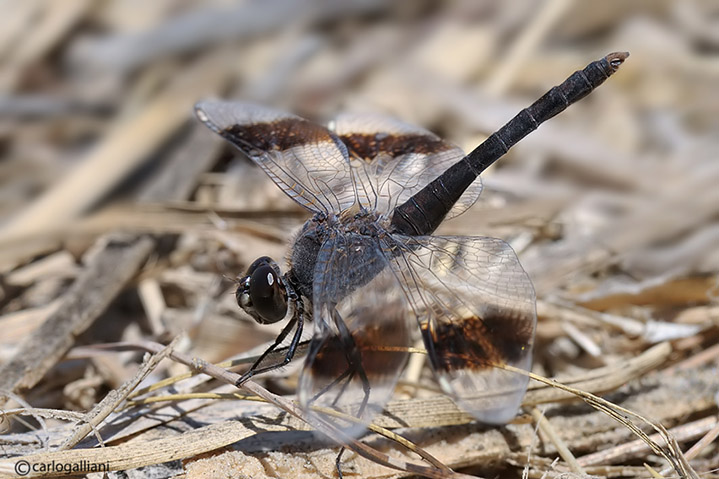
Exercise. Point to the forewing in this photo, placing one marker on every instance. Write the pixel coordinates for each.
(307, 161)
(476, 307)
(362, 332)
(394, 160)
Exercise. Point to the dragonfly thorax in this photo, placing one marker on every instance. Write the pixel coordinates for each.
(315, 232)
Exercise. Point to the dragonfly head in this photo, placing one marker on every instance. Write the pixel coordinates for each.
(262, 292)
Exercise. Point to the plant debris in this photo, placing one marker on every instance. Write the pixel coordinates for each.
(124, 223)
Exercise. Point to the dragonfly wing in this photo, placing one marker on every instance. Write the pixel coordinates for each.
(476, 308)
(306, 160)
(362, 332)
(394, 160)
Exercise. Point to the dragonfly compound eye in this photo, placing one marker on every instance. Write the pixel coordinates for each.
(262, 293)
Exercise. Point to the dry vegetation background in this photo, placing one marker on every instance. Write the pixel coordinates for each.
(121, 218)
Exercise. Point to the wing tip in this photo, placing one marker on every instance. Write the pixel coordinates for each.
(489, 403)
(203, 112)
(219, 114)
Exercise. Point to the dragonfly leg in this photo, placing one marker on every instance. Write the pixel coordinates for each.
(354, 365)
(297, 322)
(354, 361)
(338, 462)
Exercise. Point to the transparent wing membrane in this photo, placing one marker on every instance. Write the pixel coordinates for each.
(307, 161)
(376, 160)
(394, 160)
(361, 337)
(368, 289)
(475, 306)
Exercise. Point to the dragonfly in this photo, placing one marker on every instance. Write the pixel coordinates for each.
(366, 270)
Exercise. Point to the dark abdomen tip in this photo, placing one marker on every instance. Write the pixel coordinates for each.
(615, 59)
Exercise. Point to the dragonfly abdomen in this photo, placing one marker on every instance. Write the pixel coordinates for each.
(425, 211)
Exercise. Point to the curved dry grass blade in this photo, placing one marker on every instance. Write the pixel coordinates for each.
(189, 396)
(670, 452)
(325, 428)
(562, 448)
(328, 429)
(119, 346)
(372, 427)
(115, 397)
(684, 433)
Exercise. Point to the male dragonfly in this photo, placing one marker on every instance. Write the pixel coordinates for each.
(367, 271)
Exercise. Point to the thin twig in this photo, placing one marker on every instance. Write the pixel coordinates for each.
(324, 427)
(671, 452)
(114, 398)
(562, 448)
